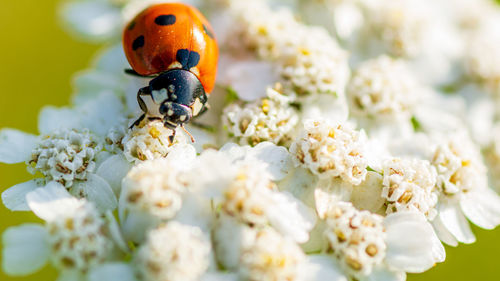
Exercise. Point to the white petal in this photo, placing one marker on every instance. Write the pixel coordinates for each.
(52, 119)
(136, 225)
(112, 272)
(49, 201)
(366, 196)
(443, 233)
(482, 207)
(323, 267)
(276, 157)
(92, 20)
(89, 84)
(112, 59)
(291, 217)
(116, 233)
(24, 249)
(410, 242)
(101, 113)
(183, 155)
(384, 274)
(14, 198)
(113, 170)
(453, 219)
(16, 146)
(229, 237)
(195, 211)
(96, 190)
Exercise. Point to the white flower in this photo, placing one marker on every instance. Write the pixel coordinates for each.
(364, 243)
(482, 60)
(399, 26)
(150, 141)
(69, 151)
(65, 156)
(75, 236)
(410, 185)
(173, 252)
(154, 187)
(329, 151)
(356, 238)
(267, 32)
(316, 65)
(383, 89)
(267, 119)
(463, 183)
(309, 60)
(269, 256)
(254, 199)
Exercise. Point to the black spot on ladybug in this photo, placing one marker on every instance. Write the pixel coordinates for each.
(165, 20)
(188, 58)
(131, 25)
(208, 32)
(138, 43)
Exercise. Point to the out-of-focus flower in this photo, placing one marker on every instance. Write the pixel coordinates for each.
(383, 89)
(75, 237)
(173, 252)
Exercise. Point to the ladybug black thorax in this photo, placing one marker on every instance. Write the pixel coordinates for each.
(175, 96)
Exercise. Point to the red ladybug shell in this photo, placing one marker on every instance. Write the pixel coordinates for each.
(172, 36)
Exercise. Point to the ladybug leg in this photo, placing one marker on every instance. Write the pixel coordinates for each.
(134, 73)
(138, 121)
(172, 136)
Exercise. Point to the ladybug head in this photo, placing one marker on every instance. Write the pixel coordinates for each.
(177, 92)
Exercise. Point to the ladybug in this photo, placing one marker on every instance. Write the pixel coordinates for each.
(172, 43)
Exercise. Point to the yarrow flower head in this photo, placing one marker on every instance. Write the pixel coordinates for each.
(75, 238)
(309, 60)
(78, 239)
(154, 187)
(270, 256)
(410, 185)
(400, 26)
(329, 151)
(150, 141)
(268, 119)
(463, 184)
(382, 88)
(459, 166)
(482, 60)
(356, 238)
(173, 252)
(65, 156)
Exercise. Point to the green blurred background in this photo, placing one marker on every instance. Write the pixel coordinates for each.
(37, 61)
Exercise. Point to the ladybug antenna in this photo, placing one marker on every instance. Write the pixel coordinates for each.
(192, 138)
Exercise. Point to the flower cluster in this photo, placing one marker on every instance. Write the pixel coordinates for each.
(331, 151)
(332, 176)
(267, 119)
